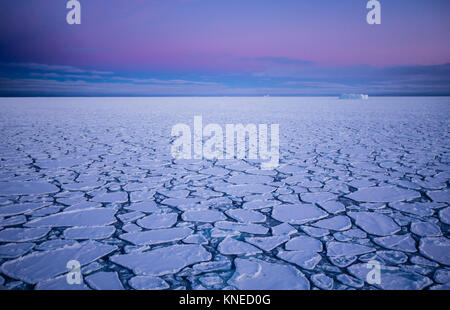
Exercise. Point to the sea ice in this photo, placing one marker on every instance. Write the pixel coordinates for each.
(267, 243)
(13, 250)
(158, 220)
(231, 246)
(246, 216)
(354, 96)
(347, 249)
(85, 217)
(437, 249)
(244, 189)
(442, 275)
(393, 278)
(211, 281)
(375, 223)
(247, 228)
(440, 196)
(350, 281)
(298, 214)
(383, 194)
(156, 236)
(322, 281)
(339, 223)
(148, 283)
(444, 215)
(255, 274)
(305, 244)
(317, 197)
(162, 261)
(22, 234)
(249, 179)
(26, 188)
(403, 243)
(89, 233)
(306, 260)
(130, 216)
(283, 229)
(39, 266)
(426, 229)
(16, 209)
(70, 174)
(315, 232)
(146, 207)
(419, 209)
(59, 283)
(260, 204)
(332, 207)
(393, 257)
(54, 244)
(205, 216)
(342, 261)
(104, 281)
(111, 197)
(196, 239)
(12, 221)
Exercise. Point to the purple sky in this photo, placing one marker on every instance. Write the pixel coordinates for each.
(224, 47)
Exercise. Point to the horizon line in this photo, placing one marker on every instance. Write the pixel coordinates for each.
(220, 96)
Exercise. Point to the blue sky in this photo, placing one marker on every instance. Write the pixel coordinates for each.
(224, 48)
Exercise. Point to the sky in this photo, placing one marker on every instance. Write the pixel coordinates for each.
(224, 48)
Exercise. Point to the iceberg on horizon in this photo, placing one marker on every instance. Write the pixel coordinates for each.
(354, 96)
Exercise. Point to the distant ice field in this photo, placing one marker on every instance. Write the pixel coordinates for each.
(93, 180)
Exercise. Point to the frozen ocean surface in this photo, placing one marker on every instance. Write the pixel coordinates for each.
(93, 180)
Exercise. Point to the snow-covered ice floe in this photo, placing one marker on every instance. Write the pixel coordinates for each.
(94, 182)
(354, 96)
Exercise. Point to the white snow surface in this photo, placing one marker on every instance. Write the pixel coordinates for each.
(93, 180)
